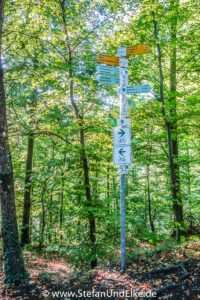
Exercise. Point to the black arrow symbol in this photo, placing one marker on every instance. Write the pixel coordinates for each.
(121, 132)
(121, 152)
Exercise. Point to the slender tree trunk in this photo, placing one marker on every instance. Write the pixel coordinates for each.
(43, 223)
(25, 232)
(92, 222)
(79, 227)
(172, 141)
(61, 210)
(151, 222)
(62, 199)
(79, 117)
(84, 160)
(108, 189)
(189, 178)
(50, 215)
(175, 173)
(50, 207)
(13, 262)
(116, 199)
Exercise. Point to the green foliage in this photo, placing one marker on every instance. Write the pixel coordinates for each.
(38, 40)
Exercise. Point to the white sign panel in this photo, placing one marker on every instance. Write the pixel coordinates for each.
(122, 155)
(122, 136)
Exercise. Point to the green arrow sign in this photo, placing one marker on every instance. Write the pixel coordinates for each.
(122, 155)
(121, 132)
(122, 136)
(121, 152)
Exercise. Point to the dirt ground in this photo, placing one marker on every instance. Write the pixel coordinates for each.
(161, 275)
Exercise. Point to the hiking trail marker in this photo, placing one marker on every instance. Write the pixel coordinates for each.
(114, 70)
(138, 49)
(138, 89)
(108, 78)
(122, 136)
(108, 60)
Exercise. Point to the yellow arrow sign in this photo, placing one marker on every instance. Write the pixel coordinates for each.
(138, 49)
(108, 60)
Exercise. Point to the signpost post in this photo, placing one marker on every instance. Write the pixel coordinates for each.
(122, 134)
(125, 149)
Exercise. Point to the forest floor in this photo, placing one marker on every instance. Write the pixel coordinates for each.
(158, 274)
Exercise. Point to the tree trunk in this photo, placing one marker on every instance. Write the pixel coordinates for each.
(43, 223)
(79, 118)
(62, 199)
(12, 254)
(92, 222)
(50, 207)
(25, 232)
(50, 216)
(171, 128)
(189, 178)
(175, 174)
(151, 222)
(84, 160)
(116, 199)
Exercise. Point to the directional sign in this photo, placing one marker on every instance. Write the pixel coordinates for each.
(138, 89)
(109, 79)
(138, 49)
(107, 70)
(108, 60)
(122, 136)
(122, 155)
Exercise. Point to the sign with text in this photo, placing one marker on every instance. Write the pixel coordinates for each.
(122, 155)
(108, 60)
(138, 89)
(103, 69)
(109, 79)
(122, 136)
(138, 49)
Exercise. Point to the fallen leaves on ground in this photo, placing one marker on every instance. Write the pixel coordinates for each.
(173, 275)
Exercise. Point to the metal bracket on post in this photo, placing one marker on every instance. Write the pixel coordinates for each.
(124, 170)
